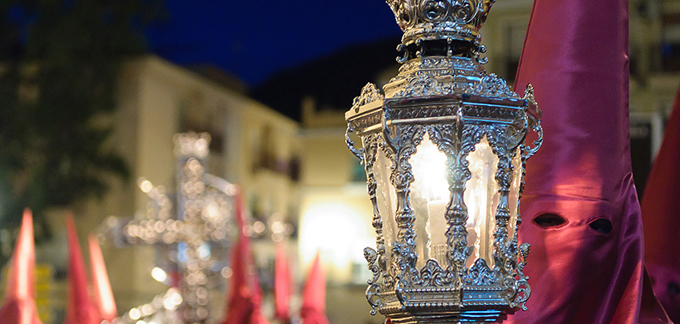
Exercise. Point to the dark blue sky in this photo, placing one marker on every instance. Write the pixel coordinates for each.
(253, 39)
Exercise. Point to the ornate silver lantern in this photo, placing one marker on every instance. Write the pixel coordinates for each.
(445, 154)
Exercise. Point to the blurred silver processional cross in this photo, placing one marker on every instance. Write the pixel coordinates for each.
(191, 246)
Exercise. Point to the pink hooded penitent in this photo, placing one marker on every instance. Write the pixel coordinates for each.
(282, 284)
(19, 303)
(314, 295)
(580, 209)
(80, 308)
(661, 216)
(103, 295)
(245, 297)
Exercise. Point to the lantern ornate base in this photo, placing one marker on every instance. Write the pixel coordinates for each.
(450, 305)
(470, 316)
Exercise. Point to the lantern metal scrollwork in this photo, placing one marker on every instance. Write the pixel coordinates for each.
(445, 152)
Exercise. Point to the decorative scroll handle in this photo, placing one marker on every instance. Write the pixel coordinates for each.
(387, 134)
(523, 288)
(402, 49)
(534, 116)
(359, 153)
(374, 288)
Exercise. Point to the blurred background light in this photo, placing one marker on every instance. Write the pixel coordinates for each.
(338, 232)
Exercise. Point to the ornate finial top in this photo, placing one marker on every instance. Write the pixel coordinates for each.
(450, 20)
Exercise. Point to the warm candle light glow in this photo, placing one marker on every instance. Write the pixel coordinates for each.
(429, 170)
(431, 196)
(481, 199)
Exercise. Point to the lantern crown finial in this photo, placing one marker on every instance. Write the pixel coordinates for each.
(443, 20)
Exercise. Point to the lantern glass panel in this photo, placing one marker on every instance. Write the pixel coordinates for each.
(481, 198)
(513, 195)
(386, 196)
(429, 196)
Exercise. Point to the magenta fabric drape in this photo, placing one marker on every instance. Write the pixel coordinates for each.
(580, 210)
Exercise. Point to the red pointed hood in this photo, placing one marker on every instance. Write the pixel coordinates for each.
(19, 303)
(660, 214)
(257, 317)
(80, 308)
(103, 294)
(245, 297)
(282, 284)
(314, 300)
(580, 208)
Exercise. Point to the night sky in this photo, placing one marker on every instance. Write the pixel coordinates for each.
(254, 39)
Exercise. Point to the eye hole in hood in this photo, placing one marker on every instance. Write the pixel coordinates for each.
(673, 288)
(549, 220)
(601, 225)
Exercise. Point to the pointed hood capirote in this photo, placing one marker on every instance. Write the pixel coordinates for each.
(579, 207)
(661, 214)
(80, 309)
(282, 284)
(103, 295)
(245, 296)
(314, 295)
(19, 302)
